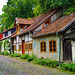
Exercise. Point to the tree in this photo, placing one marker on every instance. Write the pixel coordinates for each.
(46, 5)
(16, 8)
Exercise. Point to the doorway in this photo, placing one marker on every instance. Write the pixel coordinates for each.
(23, 47)
(67, 51)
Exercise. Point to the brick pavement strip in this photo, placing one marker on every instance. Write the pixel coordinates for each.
(10, 66)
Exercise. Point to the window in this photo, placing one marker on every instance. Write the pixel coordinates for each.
(43, 46)
(48, 21)
(52, 45)
(14, 47)
(20, 47)
(28, 46)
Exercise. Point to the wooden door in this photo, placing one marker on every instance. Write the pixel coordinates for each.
(67, 52)
(23, 47)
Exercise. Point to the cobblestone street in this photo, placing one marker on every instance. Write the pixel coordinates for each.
(10, 66)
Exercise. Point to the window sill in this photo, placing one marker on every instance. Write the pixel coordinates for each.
(43, 52)
(52, 52)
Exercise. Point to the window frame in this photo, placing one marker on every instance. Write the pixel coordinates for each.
(53, 47)
(28, 47)
(43, 48)
(47, 20)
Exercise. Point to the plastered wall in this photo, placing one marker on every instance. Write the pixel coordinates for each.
(36, 47)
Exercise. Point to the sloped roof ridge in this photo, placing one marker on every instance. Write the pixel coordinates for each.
(56, 26)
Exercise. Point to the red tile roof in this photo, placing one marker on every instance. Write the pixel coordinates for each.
(39, 20)
(56, 26)
(25, 21)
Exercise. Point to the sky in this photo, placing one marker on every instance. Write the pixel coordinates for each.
(2, 2)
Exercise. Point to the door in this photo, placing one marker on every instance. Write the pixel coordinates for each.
(67, 50)
(23, 47)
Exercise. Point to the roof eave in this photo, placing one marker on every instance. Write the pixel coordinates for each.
(57, 31)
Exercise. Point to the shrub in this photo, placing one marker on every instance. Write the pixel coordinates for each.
(64, 66)
(11, 55)
(16, 55)
(25, 56)
(73, 68)
(30, 58)
(54, 64)
(6, 53)
(2, 53)
(34, 56)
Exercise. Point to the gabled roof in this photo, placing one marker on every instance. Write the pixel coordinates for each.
(58, 25)
(39, 20)
(8, 36)
(24, 21)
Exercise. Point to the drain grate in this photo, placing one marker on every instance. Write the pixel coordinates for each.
(1, 73)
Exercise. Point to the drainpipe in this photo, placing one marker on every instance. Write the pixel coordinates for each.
(28, 41)
(59, 45)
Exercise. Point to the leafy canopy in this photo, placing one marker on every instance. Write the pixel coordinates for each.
(31, 8)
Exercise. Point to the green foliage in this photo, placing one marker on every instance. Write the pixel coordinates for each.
(2, 53)
(11, 55)
(47, 62)
(30, 58)
(69, 67)
(0, 45)
(5, 53)
(46, 5)
(15, 55)
(16, 8)
(7, 45)
(25, 56)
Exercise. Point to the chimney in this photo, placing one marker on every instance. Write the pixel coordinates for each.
(42, 26)
(5, 29)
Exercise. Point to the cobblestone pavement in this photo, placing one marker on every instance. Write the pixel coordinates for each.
(10, 66)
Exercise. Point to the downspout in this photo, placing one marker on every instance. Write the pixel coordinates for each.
(28, 41)
(59, 46)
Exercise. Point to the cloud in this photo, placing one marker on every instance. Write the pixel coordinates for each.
(2, 2)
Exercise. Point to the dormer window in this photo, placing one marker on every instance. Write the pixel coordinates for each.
(48, 21)
(21, 25)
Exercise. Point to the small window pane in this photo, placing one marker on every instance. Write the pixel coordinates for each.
(47, 21)
(50, 49)
(41, 49)
(52, 46)
(50, 42)
(54, 42)
(44, 49)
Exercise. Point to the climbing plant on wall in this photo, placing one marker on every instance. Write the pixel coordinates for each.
(7, 45)
(0, 45)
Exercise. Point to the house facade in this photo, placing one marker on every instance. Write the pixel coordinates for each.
(6, 35)
(23, 42)
(50, 35)
(57, 40)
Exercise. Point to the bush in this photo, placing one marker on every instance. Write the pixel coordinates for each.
(69, 67)
(15, 55)
(6, 53)
(34, 56)
(11, 55)
(25, 56)
(54, 64)
(30, 58)
(2, 53)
